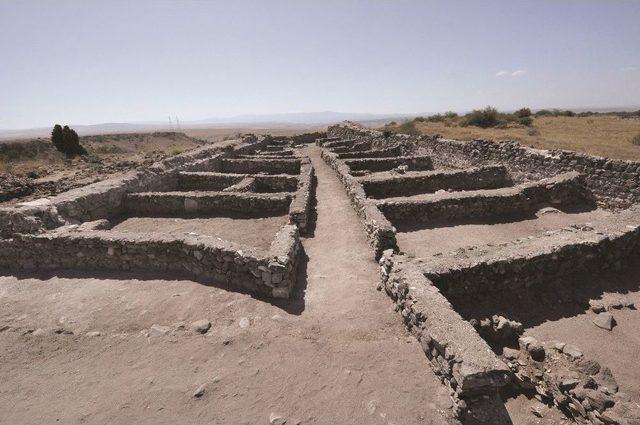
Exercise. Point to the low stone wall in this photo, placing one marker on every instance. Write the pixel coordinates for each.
(374, 153)
(323, 140)
(380, 232)
(300, 208)
(206, 180)
(385, 164)
(514, 201)
(353, 146)
(457, 354)
(260, 165)
(200, 258)
(277, 182)
(419, 182)
(522, 264)
(247, 184)
(615, 183)
(105, 199)
(180, 204)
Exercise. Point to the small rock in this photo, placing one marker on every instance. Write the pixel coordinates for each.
(548, 210)
(533, 347)
(93, 334)
(537, 411)
(605, 321)
(38, 332)
(201, 326)
(510, 353)
(572, 351)
(157, 330)
(596, 306)
(275, 419)
(244, 322)
(199, 392)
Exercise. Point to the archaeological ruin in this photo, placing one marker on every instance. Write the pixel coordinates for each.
(478, 244)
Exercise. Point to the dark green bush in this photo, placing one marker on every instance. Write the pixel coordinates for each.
(484, 118)
(522, 113)
(66, 140)
(526, 121)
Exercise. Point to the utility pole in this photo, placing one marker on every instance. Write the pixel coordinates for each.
(178, 123)
(170, 124)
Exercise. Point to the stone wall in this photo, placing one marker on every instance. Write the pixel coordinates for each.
(202, 258)
(380, 233)
(385, 164)
(562, 190)
(181, 204)
(204, 180)
(456, 352)
(373, 153)
(105, 199)
(603, 245)
(419, 182)
(260, 165)
(300, 208)
(615, 183)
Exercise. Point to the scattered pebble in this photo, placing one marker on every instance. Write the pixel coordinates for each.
(244, 323)
(201, 326)
(605, 321)
(38, 332)
(199, 392)
(158, 330)
(275, 419)
(93, 334)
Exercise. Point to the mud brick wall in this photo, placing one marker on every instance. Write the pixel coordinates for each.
(255, 166)
(380, 232)
(565, 189)
(201, 258)
(150, 204)
(615, 183)
(385, 164)
(457, 354)
(300, 208)
(414, 183)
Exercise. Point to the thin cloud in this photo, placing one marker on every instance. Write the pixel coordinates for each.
(516, 73)
(628, 68)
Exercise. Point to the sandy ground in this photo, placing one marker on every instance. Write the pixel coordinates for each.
(617, 349)
(335, 354)
(426, 242)
(253, 232)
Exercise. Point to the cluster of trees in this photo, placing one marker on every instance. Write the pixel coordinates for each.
(66, 140)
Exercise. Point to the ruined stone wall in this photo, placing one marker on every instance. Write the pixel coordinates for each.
(202, 258)
(457, 354)
(300, 208)
(615, 183)
(179, 204)
(260, 165)
(380, 233)
(415, 183)
(566, 189)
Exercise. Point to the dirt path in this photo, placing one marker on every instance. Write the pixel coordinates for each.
(337, 354)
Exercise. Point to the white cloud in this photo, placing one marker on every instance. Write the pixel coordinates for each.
(516, 73)
(628, 68)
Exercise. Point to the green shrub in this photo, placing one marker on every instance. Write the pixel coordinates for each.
(408, 127)
(66, 140)
(526, 121)
(543, 113)
(484, 118)
(522, 113)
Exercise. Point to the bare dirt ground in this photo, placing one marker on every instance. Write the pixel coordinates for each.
(336, 353)
(253, 232)
(421, 242)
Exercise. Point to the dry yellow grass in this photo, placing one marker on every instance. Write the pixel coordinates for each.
(598, 135)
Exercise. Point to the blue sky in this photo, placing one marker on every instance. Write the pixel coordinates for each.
(87, 62)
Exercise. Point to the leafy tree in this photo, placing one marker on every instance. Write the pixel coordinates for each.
(66, 140)
(524, 112)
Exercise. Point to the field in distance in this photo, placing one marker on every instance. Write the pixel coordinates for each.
(601, 135)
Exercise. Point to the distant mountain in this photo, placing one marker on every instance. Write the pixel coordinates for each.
(300, 119)
(326, 117)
